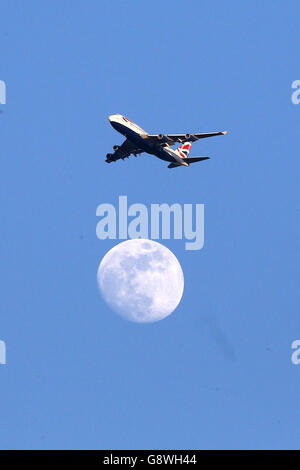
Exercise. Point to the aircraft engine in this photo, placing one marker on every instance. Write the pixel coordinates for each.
(116, 147)
(187, 136)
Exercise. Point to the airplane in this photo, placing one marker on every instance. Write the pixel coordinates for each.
(138, 141)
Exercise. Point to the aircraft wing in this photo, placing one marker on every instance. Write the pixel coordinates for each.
(171, 139)
(123, 151)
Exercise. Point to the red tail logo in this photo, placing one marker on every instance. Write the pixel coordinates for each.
(184, 150)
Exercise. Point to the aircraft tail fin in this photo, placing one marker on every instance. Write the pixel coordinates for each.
(184, 150)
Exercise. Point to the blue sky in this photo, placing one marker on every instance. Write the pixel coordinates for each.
(217, 372)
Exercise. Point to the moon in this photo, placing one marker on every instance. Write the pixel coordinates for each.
(141, 280)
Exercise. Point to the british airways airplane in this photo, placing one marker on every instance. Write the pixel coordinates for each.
(138, 141)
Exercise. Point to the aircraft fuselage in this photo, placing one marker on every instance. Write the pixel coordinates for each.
(139, 137)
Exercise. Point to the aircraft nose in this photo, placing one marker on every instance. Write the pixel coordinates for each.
(113, 117)
(114, 120)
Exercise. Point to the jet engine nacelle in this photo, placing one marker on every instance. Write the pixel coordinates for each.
(116, 147)
(188, 136)
(160, 136)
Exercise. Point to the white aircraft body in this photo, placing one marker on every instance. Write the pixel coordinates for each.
(138, 141)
